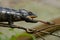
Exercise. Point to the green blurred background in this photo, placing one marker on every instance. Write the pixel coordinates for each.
(46, 10)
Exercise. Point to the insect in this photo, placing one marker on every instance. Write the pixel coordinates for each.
(12, 15)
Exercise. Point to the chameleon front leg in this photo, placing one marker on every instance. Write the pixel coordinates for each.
(10, 20)
(11, 23)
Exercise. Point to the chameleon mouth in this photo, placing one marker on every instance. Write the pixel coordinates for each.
(33, 16)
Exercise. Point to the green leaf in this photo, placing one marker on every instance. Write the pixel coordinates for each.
(13, 38)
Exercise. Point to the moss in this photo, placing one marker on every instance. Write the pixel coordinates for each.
(26, 36)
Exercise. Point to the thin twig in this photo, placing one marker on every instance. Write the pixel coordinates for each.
(40, 36)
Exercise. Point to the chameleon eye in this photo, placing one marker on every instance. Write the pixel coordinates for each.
(30, 13)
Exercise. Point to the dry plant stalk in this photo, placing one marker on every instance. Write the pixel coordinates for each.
(44, 30)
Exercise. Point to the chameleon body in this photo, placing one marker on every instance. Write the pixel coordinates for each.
(12, 15)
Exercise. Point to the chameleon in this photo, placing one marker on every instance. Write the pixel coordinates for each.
(11, 15)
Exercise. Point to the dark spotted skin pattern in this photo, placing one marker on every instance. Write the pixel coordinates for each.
(12, 15)
(6, 13)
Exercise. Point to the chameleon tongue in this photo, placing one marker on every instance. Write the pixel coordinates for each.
(49, 23)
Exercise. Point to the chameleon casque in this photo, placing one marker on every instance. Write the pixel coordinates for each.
(12, 15)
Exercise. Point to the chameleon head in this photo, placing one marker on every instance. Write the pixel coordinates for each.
(31, 15)
(27, 14)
